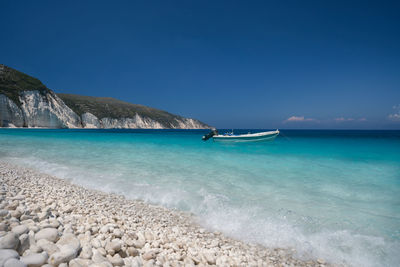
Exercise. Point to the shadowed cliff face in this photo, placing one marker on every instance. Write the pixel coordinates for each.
(37, 110)
(10, 114)
(26, 102)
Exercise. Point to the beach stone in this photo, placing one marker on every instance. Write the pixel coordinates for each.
(95, 243)
(25, 217)
(85, 239)
(214, 243)
(68, 229)
(210, 258)
(222, 261)
(9, 241)
(86, 252)
(102, 251)
(104, 229)
(188, 262)
(20, 229)
(149, 255)
(68, 209)
(79, 263)
(13, 205)
(18, 197)
(6, 254)
(24, 243)
(139, 243)
(14, 263)
(50, 234)
(116, 260)
(97, 257)
(148, 235)
(65, 254)
(43, 215)
(3, 226)
(113, 246)
(16, 214)
(35, 248)
(4, 213)
(52, 224)
(94, 230)
(118, 233)
(136, 262)
(195, 259)
(101, 264)
(122, 253)
(33, 228)
(35, 259)
(150, 263)
(132, 252)
(47, 246)
(31, 235)
(71, 240)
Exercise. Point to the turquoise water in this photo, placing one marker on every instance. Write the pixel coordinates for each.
(329, 194)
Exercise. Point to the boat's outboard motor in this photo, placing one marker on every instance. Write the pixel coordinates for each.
(210, 134)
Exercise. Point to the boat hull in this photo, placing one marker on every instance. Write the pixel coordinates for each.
(266, 136)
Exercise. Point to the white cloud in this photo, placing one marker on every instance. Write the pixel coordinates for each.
(396, 115)
(298, 119)
(341, 119)
(294, 119)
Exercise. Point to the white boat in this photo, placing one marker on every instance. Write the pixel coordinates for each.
(250, 137)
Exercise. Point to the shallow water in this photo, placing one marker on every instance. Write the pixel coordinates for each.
(329, 194)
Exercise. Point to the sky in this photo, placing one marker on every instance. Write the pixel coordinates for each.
(230, 64)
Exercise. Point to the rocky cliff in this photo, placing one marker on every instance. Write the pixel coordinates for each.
(112, 113)
(26, 102)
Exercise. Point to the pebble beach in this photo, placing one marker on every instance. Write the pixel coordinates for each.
(47, 221)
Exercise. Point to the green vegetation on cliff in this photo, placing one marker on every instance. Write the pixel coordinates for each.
(13, 82)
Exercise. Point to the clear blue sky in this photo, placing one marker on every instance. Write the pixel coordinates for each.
(233, 64)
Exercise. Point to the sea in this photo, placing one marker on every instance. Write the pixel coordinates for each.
(330, 194)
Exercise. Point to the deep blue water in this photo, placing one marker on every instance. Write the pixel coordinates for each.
(329, 194)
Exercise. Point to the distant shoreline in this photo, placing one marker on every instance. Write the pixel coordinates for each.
(45, 128)
(202, 129)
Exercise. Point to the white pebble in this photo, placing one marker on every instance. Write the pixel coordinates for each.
(50, 234)
(14, 263)
(9, 241)
(20, 229)
(35, 260)
(65, 254)
(6, 254)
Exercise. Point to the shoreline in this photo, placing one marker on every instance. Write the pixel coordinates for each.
(109, 230)
(82, 128)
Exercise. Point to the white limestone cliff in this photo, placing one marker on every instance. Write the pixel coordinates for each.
(90, 121)
(49, 111)
(135, 122)
(187, 123)
(10, 114)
